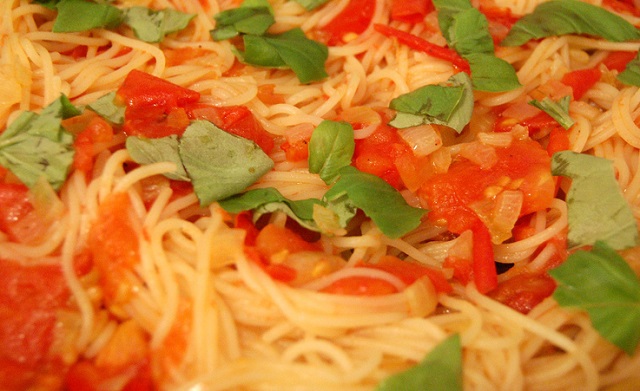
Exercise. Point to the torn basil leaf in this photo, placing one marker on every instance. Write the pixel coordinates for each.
(270, 200)
(377, 199)
(562, 17)
(152, 150)
(152, 26)
(601, 283)
(291, 49)
(449, 104)
(331, 147)
(466, 30)
(36, 145)
(597, 209)
(220, 164)
(107, 109)
(440, 370)
(557, 110)
(252, 17)
(81, 15)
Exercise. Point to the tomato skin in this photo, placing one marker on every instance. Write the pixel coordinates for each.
(417, 43)
(524, 291)
(273, 240)
(154, 107)
(353, 19)
(558, 141)
(360, 286)
(97, 130)
(410, 11)
(618, 60)
(581, 80)
(410, 272)
(238, 120)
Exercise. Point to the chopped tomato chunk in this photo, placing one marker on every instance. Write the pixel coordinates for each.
(410, 11)
(360, 286)
(351, 21)
(524, 291)
(581, 80)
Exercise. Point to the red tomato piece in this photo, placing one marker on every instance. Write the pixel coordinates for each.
(484, 268)
(238, 120)
(410, 11)
(558, 140)
(114, 246)
(618, 60)
(449, 195)
(581, 80)
(154, 107)
(410, 272)
(524, 291)
(500, 21)
(353, 19)
(296, 151)
(97, 130)
(29, 300)
(274, 239)
(377, 154)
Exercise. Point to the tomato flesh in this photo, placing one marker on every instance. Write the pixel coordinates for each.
(354, 19)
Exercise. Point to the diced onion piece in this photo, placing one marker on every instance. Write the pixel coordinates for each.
(462, 246)
(506, 211)
(496, 139)
(227, 247)
(46, 203)
(481, 154)
(423, 139)
(327, 220)
(441, 160)
(365, 116)
(421, 297)
(311, 265)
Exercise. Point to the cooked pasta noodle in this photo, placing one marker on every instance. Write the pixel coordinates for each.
(210, 317)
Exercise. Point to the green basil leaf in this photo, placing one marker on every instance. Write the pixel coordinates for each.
(377, 199)
(449, 104)
(561, 17)
(152, 26)
(467, 31)
(36, 145)
(252, 17)
(631, 73)
(492, 74)
(270, 200)
(291, 49)
(81, 15)
(597, 209)
(330, 148)
(105, 107)
(557, 110)
(152, 150)
(220, 164)
(440, 370)
(311, 4)
(601, 283)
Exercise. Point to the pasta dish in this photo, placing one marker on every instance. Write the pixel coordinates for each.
(319, 195)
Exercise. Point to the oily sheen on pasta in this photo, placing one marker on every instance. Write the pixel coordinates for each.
(186, 305)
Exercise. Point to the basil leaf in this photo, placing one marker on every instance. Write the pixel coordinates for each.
(601, 283)
(596, 208)
(153, 150)
(291, 49)
(557, 110)
(252, 17)
(37, 145)
(270, 200)
(440, 370)
(311, 4)
(377, 199)
(561, 17)
(152, 26)
(492, 74)
(331, 147)
(107, 109)
(449, 104)
(220, 164)
(466, 30)
(81, 15)
(631, 73)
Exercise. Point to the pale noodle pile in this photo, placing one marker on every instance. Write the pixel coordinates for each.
(248, 331)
